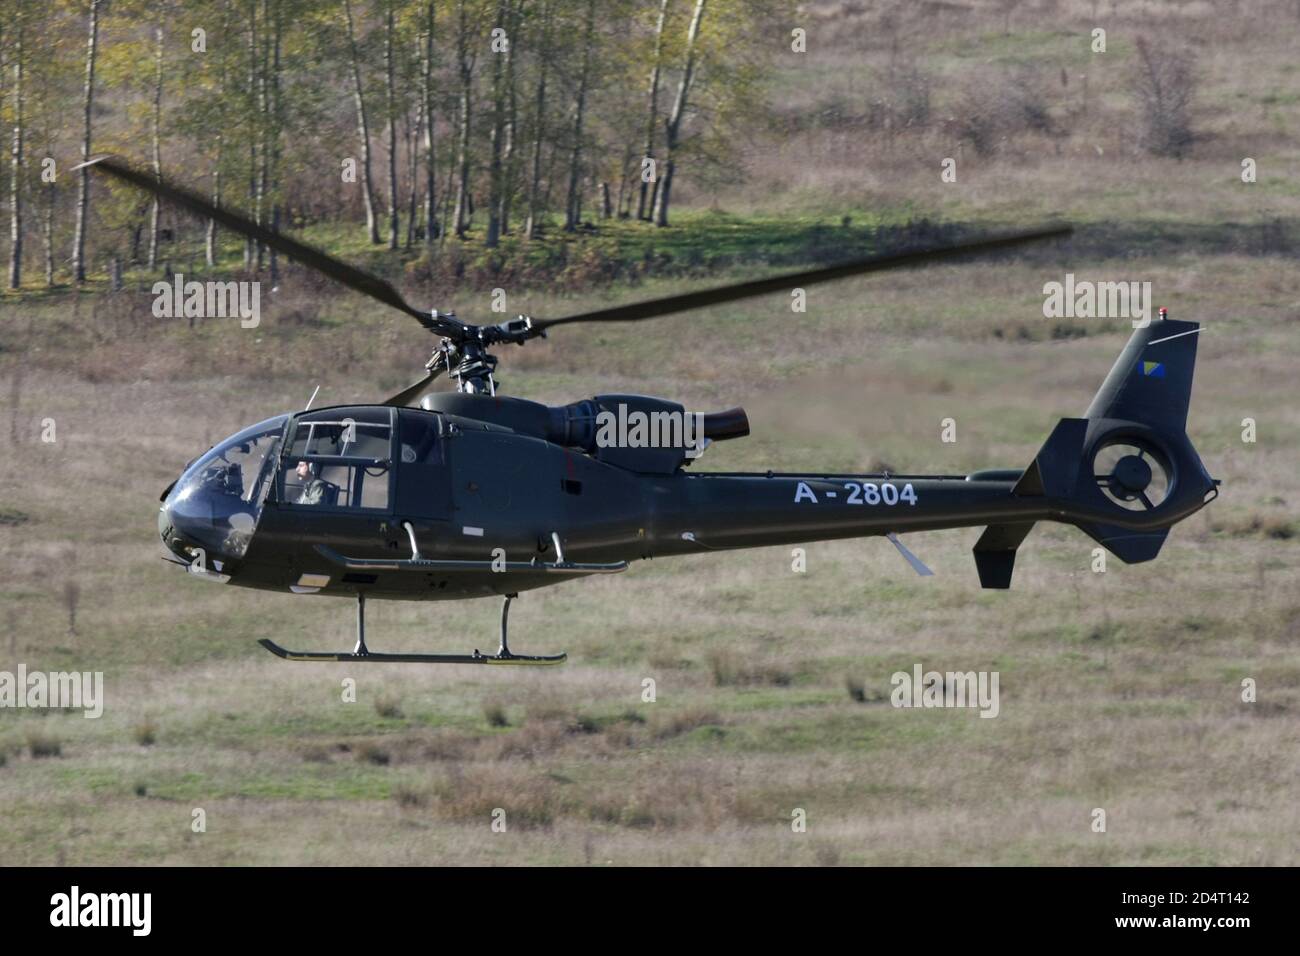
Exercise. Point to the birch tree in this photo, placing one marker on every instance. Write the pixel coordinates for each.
(390, 109)
(83, 185)
(539, 120)
(510, 125)
(501, 43)
(672, 128)
(430, 164)
(646, 201)
(156, 143)
(16, 182)
(573, 204)
(363, 127)
(466, 58)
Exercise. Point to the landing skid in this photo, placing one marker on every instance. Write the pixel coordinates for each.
(362, 654)
(373, 658)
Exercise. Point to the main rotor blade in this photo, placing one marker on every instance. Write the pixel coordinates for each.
(743, 290)
(413, 391)
(322, 262)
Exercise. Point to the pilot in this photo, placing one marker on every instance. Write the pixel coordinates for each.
(313, 489)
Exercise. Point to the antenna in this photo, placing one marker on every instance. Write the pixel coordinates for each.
(312, 399)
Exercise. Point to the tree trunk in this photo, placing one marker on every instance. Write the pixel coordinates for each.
(363, 129)
(498, 125)
(49, 234)
(390, 107)
(629, 168)
(448, 193)
(673, 127)
(430, 167)
(157, 143)
(413, 134)
(573, 206)
(465, 66)
(83, 190)
(251, 250)
(664, 193)
(276, 123)
(210, 239)
(210, 251)
(263, 128)
(509, 159)
(646, 201)
(539, 125)
(15, 189)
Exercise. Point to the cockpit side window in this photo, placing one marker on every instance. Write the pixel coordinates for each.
(340, 458)
(418, 433)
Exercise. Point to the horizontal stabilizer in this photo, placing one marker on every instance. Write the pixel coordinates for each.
(1131, 547)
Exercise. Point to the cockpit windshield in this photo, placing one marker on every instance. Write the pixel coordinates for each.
(218, 500)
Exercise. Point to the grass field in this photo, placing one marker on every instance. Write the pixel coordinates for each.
(1120, 690)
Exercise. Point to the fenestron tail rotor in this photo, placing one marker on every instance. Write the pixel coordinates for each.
(1132, 474)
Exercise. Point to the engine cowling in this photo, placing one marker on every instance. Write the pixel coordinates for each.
(636, 432)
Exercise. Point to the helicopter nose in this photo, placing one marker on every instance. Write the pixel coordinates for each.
(167, 531)
(204, 526)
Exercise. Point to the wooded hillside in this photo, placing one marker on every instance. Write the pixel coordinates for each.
(416, 120)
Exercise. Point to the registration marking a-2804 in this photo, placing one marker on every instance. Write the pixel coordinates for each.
(862, 493)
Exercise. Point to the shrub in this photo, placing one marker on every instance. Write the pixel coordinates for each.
(1163, 86)
(992, 110)
(410, 796)
(495, 714)
(42, 745)
(373, 753)
(145, 733)
(904, 100)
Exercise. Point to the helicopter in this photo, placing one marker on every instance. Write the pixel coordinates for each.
(429, 496)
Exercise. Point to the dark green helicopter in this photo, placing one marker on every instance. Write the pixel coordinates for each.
(474, 494)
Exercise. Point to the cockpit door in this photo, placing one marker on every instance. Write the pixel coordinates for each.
(423, 475)
(336, 481)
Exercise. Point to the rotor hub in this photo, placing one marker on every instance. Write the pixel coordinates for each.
(1132, 474)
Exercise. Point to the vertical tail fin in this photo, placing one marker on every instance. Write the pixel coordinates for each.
(1126, 472)
(1151, 381)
